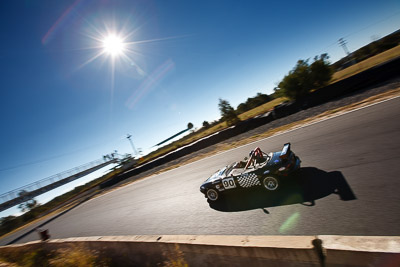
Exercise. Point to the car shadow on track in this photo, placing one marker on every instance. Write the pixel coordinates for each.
(308, 185)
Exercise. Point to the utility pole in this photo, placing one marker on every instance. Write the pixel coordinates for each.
(343, 43)
(133, 147)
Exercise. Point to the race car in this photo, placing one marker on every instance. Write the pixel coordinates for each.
(259, 169)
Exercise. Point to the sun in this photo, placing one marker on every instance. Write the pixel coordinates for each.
(113, 45)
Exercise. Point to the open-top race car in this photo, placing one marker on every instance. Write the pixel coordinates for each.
(260, 169)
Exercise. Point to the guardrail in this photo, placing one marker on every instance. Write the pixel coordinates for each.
(230, 250)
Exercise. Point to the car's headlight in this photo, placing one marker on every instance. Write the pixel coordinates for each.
(202, 187)
(282, 169)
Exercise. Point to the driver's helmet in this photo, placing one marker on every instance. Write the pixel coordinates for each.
(251, 153)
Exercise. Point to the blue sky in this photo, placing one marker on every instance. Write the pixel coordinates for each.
(59, 109)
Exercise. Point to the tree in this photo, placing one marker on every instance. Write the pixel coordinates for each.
(304, 77)
(321, 71)
(7, 223)
(253, 102)
(228, 114)
(28, 205)
(243, 107)
(277, 93)
(30, 202)
(206, 124)
(298, 82)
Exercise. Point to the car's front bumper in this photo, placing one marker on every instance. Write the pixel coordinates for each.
(203, 189)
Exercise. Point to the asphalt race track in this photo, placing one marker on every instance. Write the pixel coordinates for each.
(348, 185)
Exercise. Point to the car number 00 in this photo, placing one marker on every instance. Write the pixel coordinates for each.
(228, 183)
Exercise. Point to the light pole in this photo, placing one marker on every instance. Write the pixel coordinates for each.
(133, 147)
(343, 43)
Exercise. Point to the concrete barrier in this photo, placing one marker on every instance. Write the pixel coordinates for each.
(362, 80)
(361, 250)
(233, 250)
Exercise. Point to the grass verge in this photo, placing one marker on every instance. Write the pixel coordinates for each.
(74, 255)
(366, 64)
(79, 255)
(262, 109)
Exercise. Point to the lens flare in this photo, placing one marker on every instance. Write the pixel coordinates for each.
(290, 223)
(150, 82)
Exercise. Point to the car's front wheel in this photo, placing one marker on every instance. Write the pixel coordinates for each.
(212, 194)
(270, 183)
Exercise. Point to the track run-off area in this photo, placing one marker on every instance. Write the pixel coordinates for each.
(348, 185)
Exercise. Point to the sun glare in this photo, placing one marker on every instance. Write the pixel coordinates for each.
(113, 45)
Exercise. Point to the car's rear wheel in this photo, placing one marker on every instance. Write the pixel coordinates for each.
(212, 194)
(270, 183)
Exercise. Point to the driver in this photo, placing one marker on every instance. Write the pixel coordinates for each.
(255, 155)
(258, 155)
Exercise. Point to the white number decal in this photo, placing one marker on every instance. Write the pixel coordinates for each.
(228, 183)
